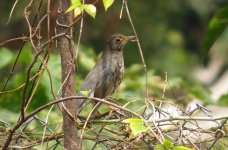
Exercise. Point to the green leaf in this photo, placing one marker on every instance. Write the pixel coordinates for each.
(223, 100)
(168, 144)
(133, 120)
(90, 9)
(75, 1)
(6, 56)
(216, 26)
(159, 147)
(107, 4)
(78, 11)
(74, 6)
(137, 126)
(181, 148)
(86, 93)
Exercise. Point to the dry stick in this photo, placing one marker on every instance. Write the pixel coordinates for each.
(65, 80)
(50, 78)
(27, 13)
(45, 127)
(140, 49)
(11, 12)
(19, 53)
(33, 91)
(59, 90)
(59, 136)
(71, 117)
(167, 119)
(36, 29)
(171, 118)
(156, 120)
(219, 134)
(32, 144)
(76, 49)
(193, 144)
(52, 38)
(22, 38)
(164, 89)
(12, 131)
(21, 121)
(43, 63)
(110, 121)
(80, 34)
(87, 119)
(80, 97)
(159, 131)
(49, 18)
(22, 85)
(163, 94)
(25, 102)
(144, 64)
(24, 98)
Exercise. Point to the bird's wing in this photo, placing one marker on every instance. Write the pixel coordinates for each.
(105, 84)
(89, 84)
(100, 80)
(91, 79)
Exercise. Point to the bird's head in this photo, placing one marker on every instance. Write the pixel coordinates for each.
(117, 41)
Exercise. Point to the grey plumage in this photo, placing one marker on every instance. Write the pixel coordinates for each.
(107, 74)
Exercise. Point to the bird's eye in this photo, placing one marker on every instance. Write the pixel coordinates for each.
(117, 39)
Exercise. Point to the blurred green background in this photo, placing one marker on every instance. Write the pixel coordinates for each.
(171, 34)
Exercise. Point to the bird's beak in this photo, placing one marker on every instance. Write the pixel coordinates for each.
(130, 38)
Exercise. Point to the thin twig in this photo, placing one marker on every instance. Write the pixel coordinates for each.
(19, 53)
(46, 122)
(11, 12)
(139, 46)
(87, 119)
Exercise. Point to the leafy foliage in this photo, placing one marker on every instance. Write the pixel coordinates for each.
(90, 9)
(169, 145)
(6, 57)
(216, 27)
(86, 93)
(107, 3)
(78, 8)
(137, 126)
(165, 40)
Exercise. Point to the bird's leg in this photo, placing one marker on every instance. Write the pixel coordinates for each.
(111, 108)
(97, 114)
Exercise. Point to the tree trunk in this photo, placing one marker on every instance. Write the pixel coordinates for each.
(71, 141)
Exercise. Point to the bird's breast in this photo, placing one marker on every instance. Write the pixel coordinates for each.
(118, 73)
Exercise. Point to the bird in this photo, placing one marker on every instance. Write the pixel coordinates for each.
(107, 74)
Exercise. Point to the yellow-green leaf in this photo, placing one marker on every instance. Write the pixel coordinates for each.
(74, 6)
(85, 93)
(159, 147)
(168, 144)
(78, 11)
(90, 9)
(75, 1)
(181, 148)
(133, 120)
(137, 126)
(107, 4)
